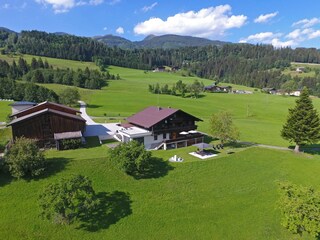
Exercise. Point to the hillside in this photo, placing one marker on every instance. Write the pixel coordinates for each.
(168, 41)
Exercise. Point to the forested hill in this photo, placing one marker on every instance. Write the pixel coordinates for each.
(251, 65)
(168, 41)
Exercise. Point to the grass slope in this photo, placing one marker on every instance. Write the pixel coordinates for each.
(223, 198)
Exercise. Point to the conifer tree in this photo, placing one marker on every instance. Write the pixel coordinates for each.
(303, 123)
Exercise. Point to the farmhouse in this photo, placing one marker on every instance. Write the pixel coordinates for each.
(161, 128)
(48, 123)
(218, 89)
(269, 90)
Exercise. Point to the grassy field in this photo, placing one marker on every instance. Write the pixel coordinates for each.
(5, 109)
(55, 62)
(230, 197)
(258, 116)
(309, 69)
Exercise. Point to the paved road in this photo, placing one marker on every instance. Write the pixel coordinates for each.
(103, 131)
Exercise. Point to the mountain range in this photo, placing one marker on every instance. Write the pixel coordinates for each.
(165, 41)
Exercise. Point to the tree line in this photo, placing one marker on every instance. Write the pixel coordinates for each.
(40, 71)
(246, 64)
(178, 89)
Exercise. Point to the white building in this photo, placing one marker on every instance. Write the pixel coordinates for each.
(158, 128)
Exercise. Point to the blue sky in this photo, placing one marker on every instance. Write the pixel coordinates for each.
(279, 22)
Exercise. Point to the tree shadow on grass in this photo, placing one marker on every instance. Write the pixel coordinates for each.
(313, 149)
(93, 106)
(158, 168)
(53, 166)
(239, 144)
(112, 207)
(5, 177)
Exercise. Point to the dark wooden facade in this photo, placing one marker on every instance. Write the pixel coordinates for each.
(174, 124)
(43, 124)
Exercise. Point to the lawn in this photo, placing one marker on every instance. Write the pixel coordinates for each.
(230, 197)
(258, 116)
(55, 62)
(5, 109)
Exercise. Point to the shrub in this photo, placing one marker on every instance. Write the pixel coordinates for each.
(300, 208)
(70, 144)
(24, 159)
(131, 157)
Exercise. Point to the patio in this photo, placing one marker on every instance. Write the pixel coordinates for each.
(202, 153)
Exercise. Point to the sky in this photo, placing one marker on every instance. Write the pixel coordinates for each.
(281, 23)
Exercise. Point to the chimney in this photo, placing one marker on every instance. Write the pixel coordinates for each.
(159, 108)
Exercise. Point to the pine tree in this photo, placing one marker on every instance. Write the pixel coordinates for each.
(303, 123)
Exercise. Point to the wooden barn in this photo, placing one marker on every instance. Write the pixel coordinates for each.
(46, 119)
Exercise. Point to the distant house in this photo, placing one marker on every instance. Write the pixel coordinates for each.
(48, 123)
(174, 69)
(161, 128)
(269, 90)
(218, 89)
(300, 69)
(242, 92)
(295, 93)
(159, 69)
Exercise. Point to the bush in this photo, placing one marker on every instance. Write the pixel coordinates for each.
(300, 208)
(70, 144)
(67, 200)
(24, 159)
(131, 157)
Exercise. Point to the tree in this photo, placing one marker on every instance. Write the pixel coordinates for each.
(196, 88)
(300, 208)
(65, 201)
(131, 157)
(303, 123)
(222, 127)
(69, 96)
(25, 159)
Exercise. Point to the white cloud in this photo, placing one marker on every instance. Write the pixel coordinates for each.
(208, 22)
(148, 8)
(120, 30)
(62, 6)
(314, 34)
(263, 37)
(269, 38)
(105, 29)
(265, 18)
(276, 42)
(306, 23)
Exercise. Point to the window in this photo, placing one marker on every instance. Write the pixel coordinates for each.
(164, 136)
(155, 137)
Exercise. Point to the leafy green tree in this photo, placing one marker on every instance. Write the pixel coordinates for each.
(303, 123)
(300, 208)
(25, 159)
(69, 96)
(131, 157)
(196, 88)
(221, 126)
(289, 86)
(68, 199)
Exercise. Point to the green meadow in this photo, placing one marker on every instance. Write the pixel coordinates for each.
(231, 196)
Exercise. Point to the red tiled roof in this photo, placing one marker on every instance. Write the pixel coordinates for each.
(150, 116)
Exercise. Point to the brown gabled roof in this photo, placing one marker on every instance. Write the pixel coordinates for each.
(45, 105)
(34, 114)
(152, 115)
